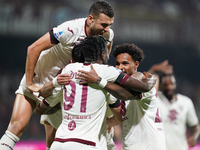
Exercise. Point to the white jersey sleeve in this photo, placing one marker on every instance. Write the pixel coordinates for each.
(108, 73)
(112, 99)
(192, 118)
(68, 31)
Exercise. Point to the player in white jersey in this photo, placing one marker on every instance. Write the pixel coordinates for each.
(142, 124)
(177, 112)
(83, 106)
(45, 58)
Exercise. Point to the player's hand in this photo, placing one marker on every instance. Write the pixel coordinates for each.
(33, 88)
(87, 76)
(164, 67)
(191, 141)
(63, 79)
(150, 79)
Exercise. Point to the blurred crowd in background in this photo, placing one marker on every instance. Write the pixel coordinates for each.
(164, 29)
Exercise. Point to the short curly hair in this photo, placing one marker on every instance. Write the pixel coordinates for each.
(101, 7)
(135, 52)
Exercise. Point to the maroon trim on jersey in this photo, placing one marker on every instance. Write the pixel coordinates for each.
(141, 96)
(156, 94)
(45, 102)
(86, 64)
(124, 79)
(76, 140)
(85, 27)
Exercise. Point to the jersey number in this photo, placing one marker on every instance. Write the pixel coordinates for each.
(70, 99)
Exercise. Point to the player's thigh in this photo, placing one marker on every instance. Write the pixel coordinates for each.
(72, 146)
(22, 111)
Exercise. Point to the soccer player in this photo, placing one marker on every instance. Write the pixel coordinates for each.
(45, 58)
(177, 113)
(142, 124)
(84, 106)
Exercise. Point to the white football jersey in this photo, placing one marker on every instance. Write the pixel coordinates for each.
(83, 107)
(176, 116)
(142, 124)
(68, 34)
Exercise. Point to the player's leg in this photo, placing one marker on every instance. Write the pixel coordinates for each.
(22, 111)
(50, 134)
(51, 123)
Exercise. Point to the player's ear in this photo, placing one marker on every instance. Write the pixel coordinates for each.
(90, 19)
(136, 64)
(103, 55)
(72, 61)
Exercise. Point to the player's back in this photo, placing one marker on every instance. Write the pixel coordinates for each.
(84, 106)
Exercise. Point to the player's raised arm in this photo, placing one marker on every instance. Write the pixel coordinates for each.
(33, 54)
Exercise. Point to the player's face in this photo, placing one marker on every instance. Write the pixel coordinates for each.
(167, 86)
(125, 63)
(100, 25)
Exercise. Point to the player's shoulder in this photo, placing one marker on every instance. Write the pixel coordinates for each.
(73, 25)
(72, 66)
(105, 67)
(184, 98)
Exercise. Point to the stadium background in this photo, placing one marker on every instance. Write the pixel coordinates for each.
(164, 29)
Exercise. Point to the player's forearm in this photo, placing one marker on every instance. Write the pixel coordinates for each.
(196, 132)
(47, 89)
(152, 69)
(31, 60)
(33, 54)
(112, 121)
(143, 85)
(118, 91)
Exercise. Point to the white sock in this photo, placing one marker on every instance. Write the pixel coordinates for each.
(8, 141)
(47, 148)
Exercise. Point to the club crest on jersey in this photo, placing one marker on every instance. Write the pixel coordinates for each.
(58, 34)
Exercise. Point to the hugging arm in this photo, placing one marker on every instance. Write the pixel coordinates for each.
(134, 85)
(33, 53)
(114, 89)
(47, 90)
(143, 85)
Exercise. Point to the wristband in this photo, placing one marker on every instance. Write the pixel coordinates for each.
(103, 83)
(55, 82)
